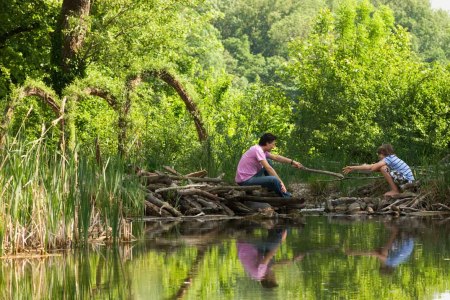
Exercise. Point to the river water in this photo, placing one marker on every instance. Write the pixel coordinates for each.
(312, 258)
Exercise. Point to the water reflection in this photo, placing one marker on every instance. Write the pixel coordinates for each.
(257, 256)
(324, 258)
(397, 249)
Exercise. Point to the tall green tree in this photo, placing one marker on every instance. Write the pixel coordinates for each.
(359, 84)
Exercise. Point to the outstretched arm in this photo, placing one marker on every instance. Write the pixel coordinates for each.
(373, 167)
(285, 160)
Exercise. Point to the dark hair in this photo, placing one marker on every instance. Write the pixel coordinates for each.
(267, 138)
(385, 149)
(269, 281)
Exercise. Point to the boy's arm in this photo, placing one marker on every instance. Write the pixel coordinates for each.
(373, 167)
(272, 172)
(285, 160)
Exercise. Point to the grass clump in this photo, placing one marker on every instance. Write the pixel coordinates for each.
(50, 200)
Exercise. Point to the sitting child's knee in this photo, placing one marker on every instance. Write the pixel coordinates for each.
(384, 169)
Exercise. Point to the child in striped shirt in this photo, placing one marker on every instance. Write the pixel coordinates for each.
(394, 170)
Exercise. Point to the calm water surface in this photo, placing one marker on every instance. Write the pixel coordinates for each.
(316, 258)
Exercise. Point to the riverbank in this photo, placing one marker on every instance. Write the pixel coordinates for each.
(52, 200)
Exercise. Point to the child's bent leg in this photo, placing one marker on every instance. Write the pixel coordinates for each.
(394, 188)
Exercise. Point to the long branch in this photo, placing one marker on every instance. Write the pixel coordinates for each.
(190, 104)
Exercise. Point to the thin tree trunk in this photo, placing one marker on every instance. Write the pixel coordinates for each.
(190, 104)
(27, 92)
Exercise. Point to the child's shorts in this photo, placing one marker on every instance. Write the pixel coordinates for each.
(399, 178)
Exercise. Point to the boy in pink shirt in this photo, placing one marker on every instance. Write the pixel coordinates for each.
(254, 169)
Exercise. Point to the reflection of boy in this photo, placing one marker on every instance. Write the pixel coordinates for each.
(396, 251)
(394, 170)
(256, 257)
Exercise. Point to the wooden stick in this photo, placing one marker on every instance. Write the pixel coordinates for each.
(172, 170)
(200, 173)
(226, 188)
(277, 201)
(153, 199)
(398, 202)
(195, 179)
(173, 188)
(156, 210)
(323, 172)
(194, 191)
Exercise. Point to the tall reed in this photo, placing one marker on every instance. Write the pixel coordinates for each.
(49, 200)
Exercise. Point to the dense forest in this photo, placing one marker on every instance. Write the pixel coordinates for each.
(89, 87)
(183, 81)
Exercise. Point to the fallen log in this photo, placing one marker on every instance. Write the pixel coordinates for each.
(194, 191)
(398, 202)
(200, 173)
(153, 199)
(275, 201)
(227, 210)
(440, 205)
(240, 207)
(154, 210)
(410, 185)
(155, 186)
(157, 179)
(174, 188)
(415, 202)
(228, 188)
(172, 170)
(192, 201)
(402, 195)
(195, 179)
(206, 204)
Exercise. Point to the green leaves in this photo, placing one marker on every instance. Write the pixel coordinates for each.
(359, 85)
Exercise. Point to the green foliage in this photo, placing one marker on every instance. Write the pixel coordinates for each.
(358, 85)
(333, 79)
(430, 29)
(24, 41)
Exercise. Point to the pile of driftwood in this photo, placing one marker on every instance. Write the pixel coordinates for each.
(409, 202)
(171, 194)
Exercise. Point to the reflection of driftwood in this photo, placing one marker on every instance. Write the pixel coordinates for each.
(323, 172)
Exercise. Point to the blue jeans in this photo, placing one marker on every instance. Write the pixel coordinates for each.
(263, 179)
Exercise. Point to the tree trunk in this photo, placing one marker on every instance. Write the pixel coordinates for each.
(27, 92)
(68, 40)
(190, 104)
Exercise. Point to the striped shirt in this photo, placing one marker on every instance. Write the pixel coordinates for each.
(396, 164)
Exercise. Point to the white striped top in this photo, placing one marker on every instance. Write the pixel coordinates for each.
(396, 164)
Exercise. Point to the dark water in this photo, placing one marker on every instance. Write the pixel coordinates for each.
(324, 258)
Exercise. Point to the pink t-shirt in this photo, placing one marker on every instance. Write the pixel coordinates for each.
(250, 163)
(250, 259)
